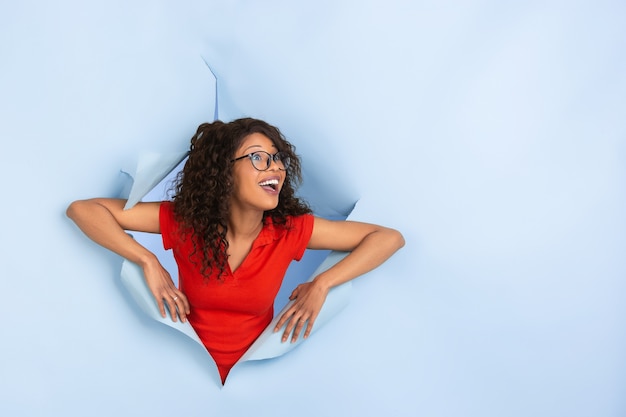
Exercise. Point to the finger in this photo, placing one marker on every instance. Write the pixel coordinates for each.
(186, 305)
(298, 329)
(283, 319)
(161, 307)
(294, 293)
(183, 306)
(289, 328)
(311, 323)
(309, 326)
(178, 303)
(171, 306)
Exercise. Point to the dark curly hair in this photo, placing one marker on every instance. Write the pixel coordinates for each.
(204, 186)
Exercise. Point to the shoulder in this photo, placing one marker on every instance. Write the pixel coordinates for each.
(166, 208)
(289, 222)
(300, 221)
(291, 228)
(167, 218)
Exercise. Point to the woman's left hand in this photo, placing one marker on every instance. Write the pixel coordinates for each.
(309, 298)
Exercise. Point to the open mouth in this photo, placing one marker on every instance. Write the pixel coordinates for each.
(269, 185)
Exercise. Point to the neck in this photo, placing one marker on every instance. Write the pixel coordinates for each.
(243, 225)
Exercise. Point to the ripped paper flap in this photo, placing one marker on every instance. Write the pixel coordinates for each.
(150, 169)
(268, 345)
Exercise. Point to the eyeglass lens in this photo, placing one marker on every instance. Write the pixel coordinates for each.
(262, 160)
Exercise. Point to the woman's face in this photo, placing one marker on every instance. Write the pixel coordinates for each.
(254, 189)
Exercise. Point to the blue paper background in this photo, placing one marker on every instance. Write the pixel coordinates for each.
(492, 134)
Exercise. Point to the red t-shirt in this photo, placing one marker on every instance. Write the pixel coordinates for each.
(229, 314)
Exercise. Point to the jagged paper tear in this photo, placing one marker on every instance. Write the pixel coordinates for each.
(151, 168)
(268, 344)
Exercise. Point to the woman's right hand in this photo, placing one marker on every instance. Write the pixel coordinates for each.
(105, 221)
(165, 292)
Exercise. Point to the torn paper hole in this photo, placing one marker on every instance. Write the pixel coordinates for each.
(154, 171)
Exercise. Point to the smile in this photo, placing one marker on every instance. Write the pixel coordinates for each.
(269, 185)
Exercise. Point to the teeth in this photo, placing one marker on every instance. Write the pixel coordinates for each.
(269, 182)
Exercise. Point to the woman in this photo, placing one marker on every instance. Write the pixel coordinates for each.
(234, 225)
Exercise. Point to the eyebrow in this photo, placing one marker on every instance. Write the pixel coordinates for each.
(258, 146)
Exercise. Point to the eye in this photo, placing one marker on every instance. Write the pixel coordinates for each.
(283, 158)
(256, 156)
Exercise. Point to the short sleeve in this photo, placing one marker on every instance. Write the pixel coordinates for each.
(300, 233)
(167, 223)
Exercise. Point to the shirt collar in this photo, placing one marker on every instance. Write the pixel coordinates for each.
(270, 232)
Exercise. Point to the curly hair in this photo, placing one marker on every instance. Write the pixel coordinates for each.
(204, 186)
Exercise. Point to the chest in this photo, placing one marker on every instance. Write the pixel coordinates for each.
(237, 252)
(248, 289)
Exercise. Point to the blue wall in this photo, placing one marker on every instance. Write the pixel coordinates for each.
(492, 134)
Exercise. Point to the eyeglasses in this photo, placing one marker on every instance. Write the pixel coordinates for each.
(262, 160)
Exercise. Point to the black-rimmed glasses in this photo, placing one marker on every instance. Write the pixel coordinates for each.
(262, 160)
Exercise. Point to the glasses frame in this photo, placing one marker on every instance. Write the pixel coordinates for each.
(276, 158)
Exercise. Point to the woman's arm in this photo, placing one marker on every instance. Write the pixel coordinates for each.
(105, 222)
(369, 245)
